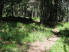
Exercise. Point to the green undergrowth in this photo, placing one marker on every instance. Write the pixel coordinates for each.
(17, 33)
(36, 19)
(62, 44)
(62, 26)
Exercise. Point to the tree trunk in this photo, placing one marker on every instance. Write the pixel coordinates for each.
(51, 9)
(1, 7)
(48, 12)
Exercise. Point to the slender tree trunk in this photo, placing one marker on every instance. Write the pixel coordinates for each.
(12, 3)
(1, 7)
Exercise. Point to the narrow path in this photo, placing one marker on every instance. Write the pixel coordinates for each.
(43, 46)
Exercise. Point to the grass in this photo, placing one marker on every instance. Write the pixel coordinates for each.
(17, 33)
(62, 26)
(62, 45)
(36, 19)
(14, 34)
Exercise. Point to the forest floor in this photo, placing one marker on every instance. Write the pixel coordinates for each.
(33, 37)
(42, 46)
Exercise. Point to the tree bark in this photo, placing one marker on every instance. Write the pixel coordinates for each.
(48, 12)
(1, 7)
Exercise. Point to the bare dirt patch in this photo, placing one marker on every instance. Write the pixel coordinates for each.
(42, 46)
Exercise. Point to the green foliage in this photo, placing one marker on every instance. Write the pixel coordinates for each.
(36, 19)
(18, 33)
(62, 45)
(62, 26)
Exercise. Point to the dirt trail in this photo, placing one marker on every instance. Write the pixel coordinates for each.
(43, 46)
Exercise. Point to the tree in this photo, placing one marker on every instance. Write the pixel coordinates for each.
(48, 11)
(52, 11)
(1, 7)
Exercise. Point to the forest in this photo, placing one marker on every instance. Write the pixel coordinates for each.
(34, 26)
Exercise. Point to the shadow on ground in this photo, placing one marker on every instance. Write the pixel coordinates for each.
(64, 35)
(11, 33)
(16, 19)
(14, 32)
